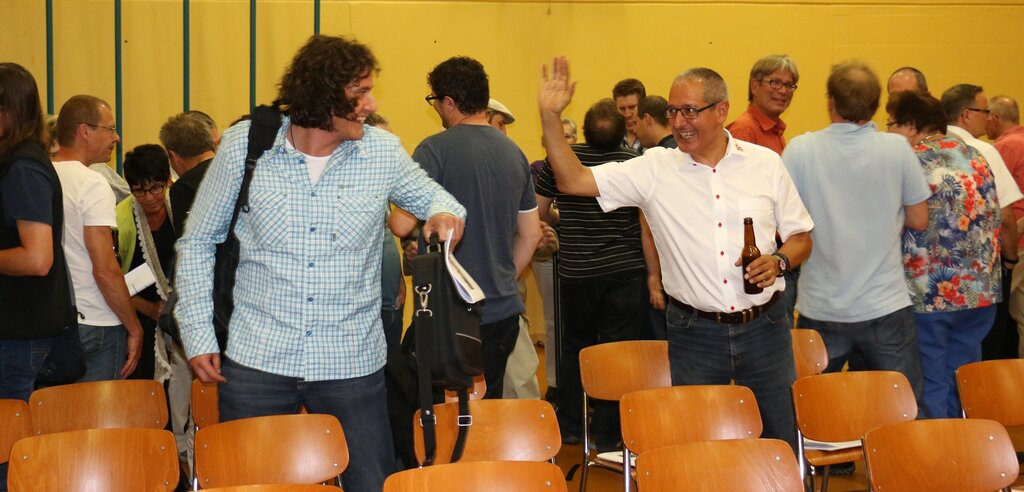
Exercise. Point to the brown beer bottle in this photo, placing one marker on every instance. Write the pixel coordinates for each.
(750, 253)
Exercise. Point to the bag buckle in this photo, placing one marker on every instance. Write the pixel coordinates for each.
(465, 420)
(424, 292)
(431, 416)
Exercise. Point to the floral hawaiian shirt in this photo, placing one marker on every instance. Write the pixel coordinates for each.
(954, 263)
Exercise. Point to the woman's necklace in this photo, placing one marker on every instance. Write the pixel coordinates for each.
(930, 137)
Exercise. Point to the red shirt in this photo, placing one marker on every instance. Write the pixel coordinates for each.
(1011, 147)
(756, 127)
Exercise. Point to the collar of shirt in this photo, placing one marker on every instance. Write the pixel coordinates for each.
(283, 145)
(851, 128)
(733, 147)
(1012, 133)
(767, 123)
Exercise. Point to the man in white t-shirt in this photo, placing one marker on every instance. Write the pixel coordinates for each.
(110, 331)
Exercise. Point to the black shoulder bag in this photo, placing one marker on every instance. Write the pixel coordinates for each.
(448, 344)
(266, 121)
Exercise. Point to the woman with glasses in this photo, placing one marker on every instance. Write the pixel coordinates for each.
(952, 267)
(146, 237)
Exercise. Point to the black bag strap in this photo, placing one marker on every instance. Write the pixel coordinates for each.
(465, 422)
(266, 121)
(424, 321)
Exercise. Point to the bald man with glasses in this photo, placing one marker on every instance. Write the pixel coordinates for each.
(696, 198)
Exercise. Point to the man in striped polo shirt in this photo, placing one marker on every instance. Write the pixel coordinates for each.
(601, 272)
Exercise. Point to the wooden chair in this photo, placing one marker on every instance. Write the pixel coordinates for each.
(610, 370)
(308, 448)
(204, 404)
(492, 476)
(281, 487)
(500, 430)
(16, 424)
(662, 417)
(993, 389)
(132, 403)
(951, 455)
(744, 464)
(95, 459)
(809, 352)
(842, 406)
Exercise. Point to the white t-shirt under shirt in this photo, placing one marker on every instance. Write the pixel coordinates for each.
(88, 201)
(315, 164)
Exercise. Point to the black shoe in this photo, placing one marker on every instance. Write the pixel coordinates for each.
(841, 469)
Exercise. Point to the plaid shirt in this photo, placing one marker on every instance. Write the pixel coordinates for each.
(307, 295)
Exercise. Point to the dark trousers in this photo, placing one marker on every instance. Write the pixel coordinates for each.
(499, 338)
(1002, 340)
(596, 310)
(20, 361)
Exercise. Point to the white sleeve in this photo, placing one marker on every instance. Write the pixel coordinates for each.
(623, 184)
(97, 202)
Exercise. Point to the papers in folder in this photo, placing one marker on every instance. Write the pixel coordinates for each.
(139, 278)
(829, 446)
(464, 284)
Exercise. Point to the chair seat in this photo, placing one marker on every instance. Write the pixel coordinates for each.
(825, 458)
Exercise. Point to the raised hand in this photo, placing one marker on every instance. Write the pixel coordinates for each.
(555, 91)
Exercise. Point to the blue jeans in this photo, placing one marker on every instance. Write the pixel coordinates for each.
(948, 341)
(757, 354)
(392, 321)
(20, 361)
(105, 350)
(360, 404)
(604, 309)
(887, 343)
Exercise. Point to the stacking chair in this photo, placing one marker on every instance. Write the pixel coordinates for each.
(744, 464)
(840, 407)
(477, 392)
(994, 389)
(610, 370)
(95, 459)
(308, 448)
(282, 487)
(808, 352)
(662, 417)
(491, 476)
(15, 424)
(138, 403)
(951, 455)
(204, 404)
(499, 430)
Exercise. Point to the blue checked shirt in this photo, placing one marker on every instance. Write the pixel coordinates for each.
(307, 294)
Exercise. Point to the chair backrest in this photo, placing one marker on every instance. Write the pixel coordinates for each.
(95, 459)
(204, 404)
(808, 352)
(951, 455)
(308, 448)
(492, 476)
(665, 416)
(842, 406)
(477, 392)
(502, 430)
(280, 487)
(993, 389)
(138, 403)
(610, 370)
(744, 464)
(16, 424)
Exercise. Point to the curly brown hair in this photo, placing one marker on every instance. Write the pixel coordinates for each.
(312, 90)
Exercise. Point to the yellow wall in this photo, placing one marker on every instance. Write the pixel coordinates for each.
(967, 41)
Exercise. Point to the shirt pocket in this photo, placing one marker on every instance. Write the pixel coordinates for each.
(268, 219)
(358, 219)
(759, 209)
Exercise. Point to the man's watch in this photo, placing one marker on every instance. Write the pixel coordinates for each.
(783, 263)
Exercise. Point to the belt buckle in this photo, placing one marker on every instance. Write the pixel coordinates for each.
(748, 315)
(718, 317)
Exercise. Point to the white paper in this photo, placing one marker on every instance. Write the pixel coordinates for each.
(829, 446)
(464, 284)
(139, 278)
(616, 457)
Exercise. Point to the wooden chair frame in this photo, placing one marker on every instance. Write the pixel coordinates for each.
(662, 417)
(138, 403)
(743, 464)
(993, 389)
(951, 455)
(499, 430)
(17, 425)
(95, 459)
(301, 448)
(492, 476)
(809, 352)
(280, 487)
(610, 370)
(842, 406)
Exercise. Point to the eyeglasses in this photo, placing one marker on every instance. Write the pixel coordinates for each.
(777, 84)
(111, 129)
(688, 113)
(155, 191)
(890, 124)
(430, 99)
(979, 110)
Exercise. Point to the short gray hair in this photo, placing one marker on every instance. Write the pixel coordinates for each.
(715, 89)
(769, 64)
(1005, 108)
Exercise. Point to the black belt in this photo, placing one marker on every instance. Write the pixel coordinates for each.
(734, 318)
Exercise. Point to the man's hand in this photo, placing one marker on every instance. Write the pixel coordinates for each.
(555, 91)
(440, 224)
(761, 271)
(207, 368)
(656, 290)
(134, 351)
(548, 244)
